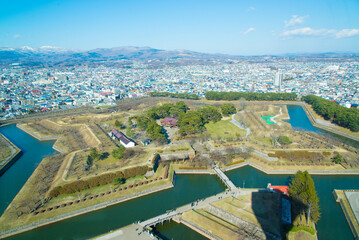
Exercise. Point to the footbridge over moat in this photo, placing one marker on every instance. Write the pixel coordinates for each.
(160, 219)
(233, 190)
(199, 204)
(225, 179)
(140, 227)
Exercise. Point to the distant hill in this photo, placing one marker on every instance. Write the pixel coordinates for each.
(55, 56)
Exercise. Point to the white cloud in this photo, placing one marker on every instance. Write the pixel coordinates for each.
(250, 9)
(17, 36)
(294, 21)
(347, 33)
(249, 30)
(309, 32)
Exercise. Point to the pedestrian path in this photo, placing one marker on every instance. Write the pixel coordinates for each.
(225, 179)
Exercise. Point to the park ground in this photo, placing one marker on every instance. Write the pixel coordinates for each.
(222, 143)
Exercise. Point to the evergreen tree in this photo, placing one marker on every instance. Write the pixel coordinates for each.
(302, 189)
(94, 155)
(228, 109)
(338, 159)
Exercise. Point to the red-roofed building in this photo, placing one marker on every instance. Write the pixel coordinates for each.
(127, 143)
(280, 189)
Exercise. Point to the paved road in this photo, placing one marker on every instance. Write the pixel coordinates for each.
(133, 231)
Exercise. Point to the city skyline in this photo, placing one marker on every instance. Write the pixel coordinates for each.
(229, 27)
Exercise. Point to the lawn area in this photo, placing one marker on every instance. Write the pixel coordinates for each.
(224, 129)
(213, 224)
(261, 209)
(138, 157)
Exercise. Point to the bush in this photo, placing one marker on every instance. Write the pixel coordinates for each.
(284, 140)
(118, 153)
(337, 159)
(302, 228)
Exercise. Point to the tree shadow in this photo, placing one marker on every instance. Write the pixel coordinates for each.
(104, 156)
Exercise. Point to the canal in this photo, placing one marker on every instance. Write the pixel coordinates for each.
(300, 121)
(15, 177)
(188, 188)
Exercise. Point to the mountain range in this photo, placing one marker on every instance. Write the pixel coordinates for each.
(55, 56)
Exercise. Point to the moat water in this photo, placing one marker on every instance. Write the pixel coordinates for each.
(188, 188)
(15, 177)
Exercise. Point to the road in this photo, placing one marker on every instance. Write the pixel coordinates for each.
(238, 124)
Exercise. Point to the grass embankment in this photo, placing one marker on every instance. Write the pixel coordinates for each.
(294, 166)
(108, 163)
(261, 209)
(30, 194)
(5, 150)
(224, 129)
(69, 137)
(212, 223)
(9, 219)
(8, 153)
(297, 160)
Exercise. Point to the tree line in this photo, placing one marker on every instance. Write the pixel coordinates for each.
(250, 96)
(80, 185)
(193, 122)
(344, 117)
(189, 122)
(175, 95)
(148, 121)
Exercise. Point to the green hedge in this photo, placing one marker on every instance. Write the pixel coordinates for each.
(96, 181)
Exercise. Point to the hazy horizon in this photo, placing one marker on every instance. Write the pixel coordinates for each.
(227, 27)
(215, 53)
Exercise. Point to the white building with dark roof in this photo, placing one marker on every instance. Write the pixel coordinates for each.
(124, 140)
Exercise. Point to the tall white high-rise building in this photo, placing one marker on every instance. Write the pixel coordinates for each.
(278, 79)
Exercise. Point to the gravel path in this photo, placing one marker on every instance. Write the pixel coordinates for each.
(235, 122)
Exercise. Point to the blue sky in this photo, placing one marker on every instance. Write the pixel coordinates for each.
(242, 27)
